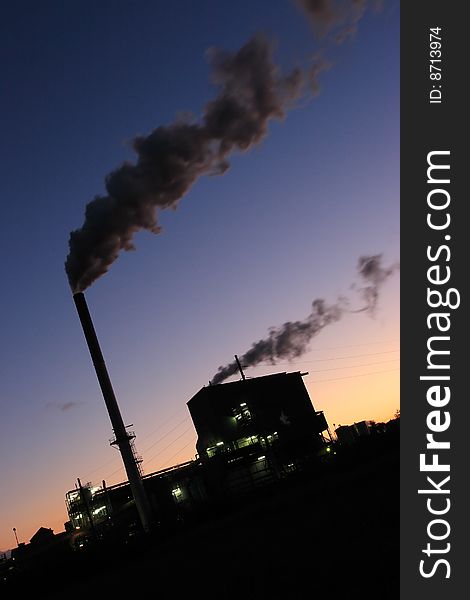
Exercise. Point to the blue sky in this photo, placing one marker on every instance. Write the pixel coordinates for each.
(243, 251)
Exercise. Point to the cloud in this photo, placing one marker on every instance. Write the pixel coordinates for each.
(63, 406)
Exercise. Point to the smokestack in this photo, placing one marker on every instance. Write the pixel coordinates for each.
(240, 368)
(122, 437)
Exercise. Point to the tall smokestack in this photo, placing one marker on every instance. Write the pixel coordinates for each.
(122, 437)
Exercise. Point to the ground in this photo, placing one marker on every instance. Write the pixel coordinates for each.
(332, 532)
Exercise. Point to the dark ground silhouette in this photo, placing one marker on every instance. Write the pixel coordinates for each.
(332, 532)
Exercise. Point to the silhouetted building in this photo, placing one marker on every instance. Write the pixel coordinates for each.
(44, 549)
(255, 430)
(250, 432)
(42, 536)
(346, 434)
(174, 493)
(362, 428)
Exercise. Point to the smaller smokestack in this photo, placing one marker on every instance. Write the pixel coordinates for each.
(240, 368)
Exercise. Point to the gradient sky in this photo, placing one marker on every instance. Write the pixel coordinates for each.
(243, 252)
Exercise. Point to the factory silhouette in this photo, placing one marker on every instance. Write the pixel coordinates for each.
(261, 446)
(274, 504)
(251, 433)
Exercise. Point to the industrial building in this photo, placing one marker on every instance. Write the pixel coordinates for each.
(255, 430)
(173, 494)
(348, 434)
(250, 433)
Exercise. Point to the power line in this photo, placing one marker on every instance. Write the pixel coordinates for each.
(112, 460)
(352, 345)
(162, 424)
(114, 472)
(349, 376)
(166, 434)
(307, 362)
(160, 451)
(379, 362)
(171, 443)
(168, 461)
(159, 440)
(118, 458)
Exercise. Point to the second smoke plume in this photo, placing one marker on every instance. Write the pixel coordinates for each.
(290, 340)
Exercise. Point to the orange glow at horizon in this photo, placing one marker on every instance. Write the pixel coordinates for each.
(362, 398)
(343, 400)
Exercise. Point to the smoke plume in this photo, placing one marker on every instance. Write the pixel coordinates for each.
(251, 92)
(335, 18)
(372, 272)
(290, 340)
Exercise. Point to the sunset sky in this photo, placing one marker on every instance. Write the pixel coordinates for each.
(243, 252)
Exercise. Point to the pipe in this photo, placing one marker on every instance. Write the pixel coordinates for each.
(84, 500)
(122, 437)
(240, 368)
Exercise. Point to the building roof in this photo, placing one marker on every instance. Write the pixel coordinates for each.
(248, 384)
(43, 534)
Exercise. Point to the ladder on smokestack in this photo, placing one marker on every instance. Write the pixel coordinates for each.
(137, 457)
